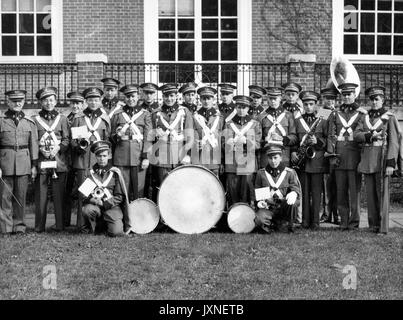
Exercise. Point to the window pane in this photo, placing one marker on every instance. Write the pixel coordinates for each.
(350, 44)
(26, 5)
(167, 35)
(384, 22)
(210, 50)
(43, 23)
(167, 24)
(186, 51)
(384, 4)
(367, 44)
(43, 5)
(210, 35)
(399, 23)
(9, 45)
(229, 25)
(352, 3)
(186, 35)
(186, 24)
(8, 23)
(166, 7)
(207, 25)
(26, 46)
(44, 46)
(26, 23)
(167, 50)
(8, 5)
(229, 8)
(384, 45)
(210, 8)
(367, 4)
(367, 22)
(186, 8)
(229, 35)
(398, 45)
(351, 22)
(398, 5)
(229, 50)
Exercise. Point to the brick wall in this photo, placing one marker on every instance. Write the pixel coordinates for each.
(315, 26)
(114, 28)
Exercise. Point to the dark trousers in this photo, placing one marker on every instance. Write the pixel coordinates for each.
(348, 197)
(282, 218)
(150, 178)
(134, 181)
(98, 219)
(12, 215)
(81, 176)
(330, 197)
(312, 186)
(373, 186)
(71, 191)
(239, 188)
(41, 199)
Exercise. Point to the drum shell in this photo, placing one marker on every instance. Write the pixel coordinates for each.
(241, 218)
(144, 216)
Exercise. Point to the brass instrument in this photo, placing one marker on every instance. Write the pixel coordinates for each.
(84, 143)
(98, 193)
(48, 145)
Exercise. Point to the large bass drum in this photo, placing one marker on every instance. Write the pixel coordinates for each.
(144, 216)
(191, 200)
(241, 218)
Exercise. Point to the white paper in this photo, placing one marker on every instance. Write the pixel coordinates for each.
(262, 194)
(49, 165)
(325, 113)
(79, 132)
(87, 187)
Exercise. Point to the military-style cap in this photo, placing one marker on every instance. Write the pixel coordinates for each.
(75, 96)
(292, 86)
(273, 148)
(347, 87)
(274, 91)
(227, 88)
(375, 91)
(110, 82)
(309, 95)
(149, 87)
(130, 88)
(46, 92)
(243, 100)
(93, 92)
(16, 94)
(100, 146)
(188, 87)
(207, 91)
(169, 88)
(257, 90)
(330, 93)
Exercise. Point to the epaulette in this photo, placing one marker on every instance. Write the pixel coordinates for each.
(30, 119)
(362, 110)
(289, 169)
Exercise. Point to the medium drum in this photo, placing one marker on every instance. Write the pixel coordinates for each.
(241, 218)
(144, 216)
(191, 200)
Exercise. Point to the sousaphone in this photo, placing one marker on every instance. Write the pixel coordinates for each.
(343, 71)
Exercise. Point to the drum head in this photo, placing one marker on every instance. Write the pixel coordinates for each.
(191, 200)
(241, 218)
(144, 216)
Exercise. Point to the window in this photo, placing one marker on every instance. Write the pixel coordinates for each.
(371, 29)
(201, 38)
(27, 31)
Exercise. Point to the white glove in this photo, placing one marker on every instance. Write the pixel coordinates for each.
(186, 160)
(291, 198)
(262, 205)
(145, 164)
(242, 140)
(230, 142)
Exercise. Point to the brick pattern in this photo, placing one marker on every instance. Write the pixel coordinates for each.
(114, 28)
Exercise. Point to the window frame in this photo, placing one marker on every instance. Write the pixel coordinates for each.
(338, 37)
(57, 40)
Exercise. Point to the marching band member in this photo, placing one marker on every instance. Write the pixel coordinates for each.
(227, 107)
(311, 132)
(76, 100)
(188, 92)
(378, 131)
(207, 123)
(278, 121)
(110, 101)
(103, 205)
(280, 206)
(18, 160)
(344, 154)
(54, 140)
(97, 126)
(173, 131)
(330, 213)
(130, 127)
(291, 93)
(242, 136)
(257, 109)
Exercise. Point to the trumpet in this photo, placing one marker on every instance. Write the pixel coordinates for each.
(84, 143)
(98, 193)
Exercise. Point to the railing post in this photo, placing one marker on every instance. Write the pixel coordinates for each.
(90, 69)
(302, 70)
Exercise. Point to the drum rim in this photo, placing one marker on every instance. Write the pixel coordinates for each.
(146, 200)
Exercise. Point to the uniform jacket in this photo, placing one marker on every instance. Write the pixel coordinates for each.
(227, 111)
(152, 108)
(109, 105)
(258, 113)
(289, 183)
(171, 144)
(62, 134)
(85, 159)
(128, 150)
(192, 107)
(241, 159)
(17, 162)
(341, 140)
(208, 156)
(371, 153)
(318, 164)
(293, 108)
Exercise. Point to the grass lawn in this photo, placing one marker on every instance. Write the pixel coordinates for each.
(304, 265)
